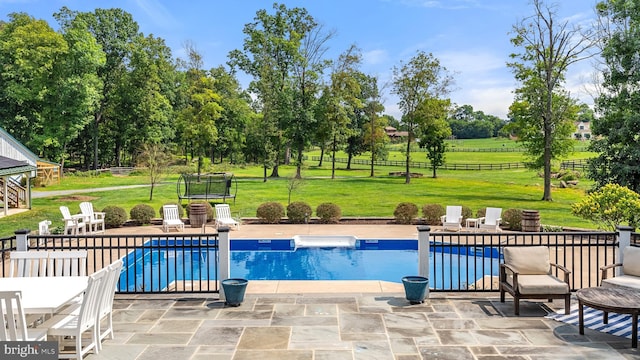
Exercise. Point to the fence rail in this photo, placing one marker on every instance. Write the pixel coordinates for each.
(426, 165)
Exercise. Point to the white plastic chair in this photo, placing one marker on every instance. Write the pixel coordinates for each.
(28, 263)
(491, 220)
(223, 217)
(68, 263)
(14, 325)
(64, 326)
(94, 219)
(171, 218)
(453, 218)
(72, 224)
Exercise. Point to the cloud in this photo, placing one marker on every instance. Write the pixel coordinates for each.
(374, 57)
(157, 12)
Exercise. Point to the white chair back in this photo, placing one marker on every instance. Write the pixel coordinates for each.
(68, 263)
(454, 214)
(14, 326)
(223, 212)
(492, 215)
(89, 308)
(86, 208)
(170, 212)
(28, 263)
(105, 307)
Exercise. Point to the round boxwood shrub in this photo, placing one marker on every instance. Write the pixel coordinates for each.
(180, 209)
(114, 216)
(142, 213)
(481, 212)
(210, 215)
(298, 212)
(432, 213)
(512, 219)
(405, 212)
(270, 212)
(466, 212)
(328, 213)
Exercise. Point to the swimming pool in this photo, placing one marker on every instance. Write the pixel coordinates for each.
(278, 259)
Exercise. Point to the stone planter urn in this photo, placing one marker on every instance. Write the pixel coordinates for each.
(415, 288)
(234, 290)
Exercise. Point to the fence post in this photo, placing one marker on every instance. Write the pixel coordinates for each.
(22, 239)
(624, 240)
(423, 252)
(224, 257)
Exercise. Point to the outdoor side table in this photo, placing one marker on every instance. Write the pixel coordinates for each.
(472, 222)
(617, 300)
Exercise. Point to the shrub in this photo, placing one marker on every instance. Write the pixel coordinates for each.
(512, 219)
(114, 216)
(481, 212)
(405, 212)
(328, 213)
(466, 212)
(210, 215)
(270, 212)
(180, 209)
(298, 212)
(432, 213)
(142, 213)
(609, 206)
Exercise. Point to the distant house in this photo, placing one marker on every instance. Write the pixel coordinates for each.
(16, 163)
(394, 134)
(582, 130)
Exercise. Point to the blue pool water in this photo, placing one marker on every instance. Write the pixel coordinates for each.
(386, 260)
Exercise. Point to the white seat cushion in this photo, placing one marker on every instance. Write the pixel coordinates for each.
(541, 284)
(628, 281)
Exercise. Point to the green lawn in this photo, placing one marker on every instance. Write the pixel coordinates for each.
(353, 190)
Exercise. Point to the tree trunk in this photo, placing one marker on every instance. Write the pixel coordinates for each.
(299, 163)
(333, 158)
(321, 155)
(407, 178)
(264, 173)
(95, 140)
(349, 157)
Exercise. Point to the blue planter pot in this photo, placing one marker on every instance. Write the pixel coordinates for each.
(415, 288)
(234, 290)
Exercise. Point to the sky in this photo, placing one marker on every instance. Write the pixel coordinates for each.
(471, 38)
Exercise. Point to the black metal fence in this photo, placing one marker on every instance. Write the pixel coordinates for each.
(459, 262)
(152, 263)
(472, 260)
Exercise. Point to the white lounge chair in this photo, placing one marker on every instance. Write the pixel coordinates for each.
(491, 220)
(73, 224)
(453, 218)
(14, 323)
(171, 217)
(94, 219)
(223, 217)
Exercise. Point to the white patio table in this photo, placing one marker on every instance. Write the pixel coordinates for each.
(45, 295)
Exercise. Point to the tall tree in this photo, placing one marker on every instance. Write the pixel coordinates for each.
(416, 81)
(29, 51)
(374, 136)
(618, 103)
(434, 130)
(271, 50)
(115, 31)
(541, 104)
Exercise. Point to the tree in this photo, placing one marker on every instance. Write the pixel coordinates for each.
(420, 79)
(271, 51)
(374, 136)
(434, 130)
(156, 159)
(615, 131)
(542, 107)
(29, 51)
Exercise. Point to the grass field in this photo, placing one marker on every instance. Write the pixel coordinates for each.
(353, 190)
